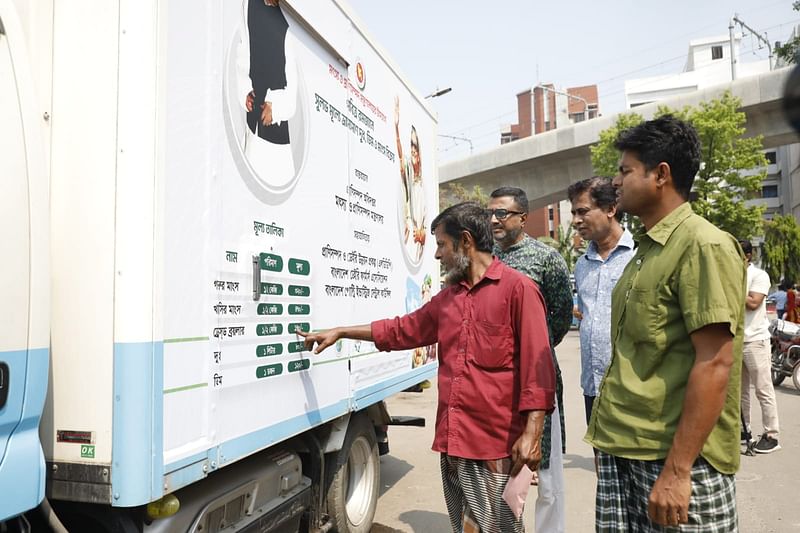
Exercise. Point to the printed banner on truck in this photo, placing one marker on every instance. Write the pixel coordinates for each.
(300, 187)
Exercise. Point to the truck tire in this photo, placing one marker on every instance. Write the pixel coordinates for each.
(354, 474)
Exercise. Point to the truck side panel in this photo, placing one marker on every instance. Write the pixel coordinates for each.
(190, 242)
(327, 237)
(83, 212)
(137, 467)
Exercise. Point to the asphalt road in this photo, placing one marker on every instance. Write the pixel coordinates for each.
(411, 497)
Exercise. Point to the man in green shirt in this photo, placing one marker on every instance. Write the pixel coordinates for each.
(666, 421)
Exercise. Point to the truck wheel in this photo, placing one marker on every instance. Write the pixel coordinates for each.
(354, 479)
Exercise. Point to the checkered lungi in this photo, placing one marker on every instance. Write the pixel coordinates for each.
(624, 485)
(473, 491)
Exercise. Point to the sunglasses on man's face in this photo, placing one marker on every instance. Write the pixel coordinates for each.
(502, 214)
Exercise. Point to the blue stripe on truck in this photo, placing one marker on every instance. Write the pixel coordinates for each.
(138, 440)
(22, 467)
(383, 389)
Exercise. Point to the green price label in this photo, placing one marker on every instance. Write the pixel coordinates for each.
(299, 266)
(302, 326)
(87, 450)
(299, 309)
(271, 262)
(270, 309)
(296, 347)
(297, 366)
(299, 290)
(269, 329)
(268, 371)
(273, 289)
(268, 350)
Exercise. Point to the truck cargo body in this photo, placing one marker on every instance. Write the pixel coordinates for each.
(189, 238)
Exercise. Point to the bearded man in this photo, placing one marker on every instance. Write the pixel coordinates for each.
(496, 374)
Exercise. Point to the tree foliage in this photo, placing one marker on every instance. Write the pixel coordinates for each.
(605, 158)
(781, 249)
(564, 243)
(731, 170)
(454, 193)
(788, 50)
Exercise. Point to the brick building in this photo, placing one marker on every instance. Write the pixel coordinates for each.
(544, 108)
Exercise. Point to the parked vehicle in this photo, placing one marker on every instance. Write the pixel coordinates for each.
(185, 183)
(785, 342)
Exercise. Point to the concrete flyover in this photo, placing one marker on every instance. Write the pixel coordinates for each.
(546, 164)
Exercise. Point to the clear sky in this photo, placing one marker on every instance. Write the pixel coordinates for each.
(489, 52)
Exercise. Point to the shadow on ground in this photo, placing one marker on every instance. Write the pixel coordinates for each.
(392, 471)
(418, 522)
(578, 461)
(380, 528)
(426, 521)
(787, 388)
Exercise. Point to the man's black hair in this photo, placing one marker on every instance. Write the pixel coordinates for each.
(665, 140)
(519, 196)
(600, 190)
(747, 246)
(470, 217)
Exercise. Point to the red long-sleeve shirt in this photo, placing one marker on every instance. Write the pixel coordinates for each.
(495, 363)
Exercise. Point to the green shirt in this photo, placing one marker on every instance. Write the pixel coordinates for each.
(686, 274)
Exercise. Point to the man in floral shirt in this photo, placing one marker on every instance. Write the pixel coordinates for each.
(544, 265)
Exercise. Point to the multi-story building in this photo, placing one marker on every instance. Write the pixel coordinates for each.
(708, 63)
(543, 108)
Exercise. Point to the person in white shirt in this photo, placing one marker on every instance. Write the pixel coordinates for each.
(756, 359)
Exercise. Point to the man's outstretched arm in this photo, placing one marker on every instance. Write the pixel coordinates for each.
(328, 337)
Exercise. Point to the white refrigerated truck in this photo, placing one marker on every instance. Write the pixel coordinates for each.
(184, 184)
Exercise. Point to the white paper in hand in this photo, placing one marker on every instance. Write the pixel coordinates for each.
(516, 490)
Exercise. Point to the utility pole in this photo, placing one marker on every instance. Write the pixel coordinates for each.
(732, 34)
(763, 38)
(585, 102)
(457, 138)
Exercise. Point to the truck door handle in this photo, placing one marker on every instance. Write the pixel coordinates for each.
(4, 382)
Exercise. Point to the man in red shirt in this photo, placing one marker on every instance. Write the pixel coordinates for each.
(496, 374)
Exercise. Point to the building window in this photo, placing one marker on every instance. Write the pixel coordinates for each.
(716, 52)
(550, 211)
(771, 158)
(769, 191)
(577, 117)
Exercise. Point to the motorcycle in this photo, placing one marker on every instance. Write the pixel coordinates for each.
(785, 340)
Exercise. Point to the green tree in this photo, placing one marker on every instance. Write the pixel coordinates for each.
(788, 50)
(564, 243)
(453, 193)
(605, 158)
(731, 169)
(781, 249)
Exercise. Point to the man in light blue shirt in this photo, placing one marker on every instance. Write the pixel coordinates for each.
(595, 217)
